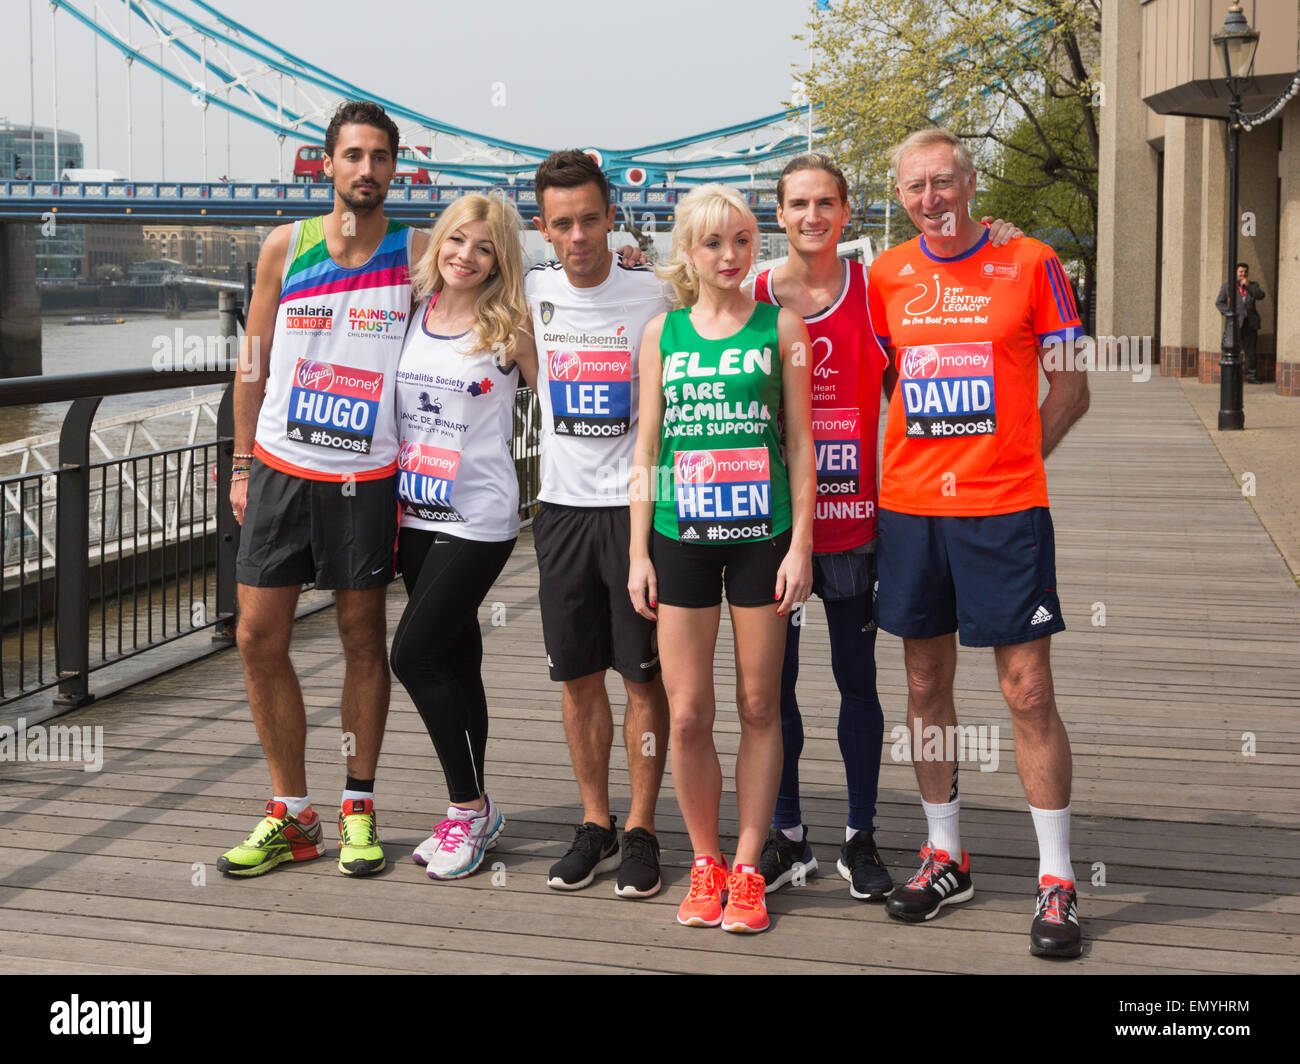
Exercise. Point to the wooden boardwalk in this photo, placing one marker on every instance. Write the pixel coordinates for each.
(115, 871)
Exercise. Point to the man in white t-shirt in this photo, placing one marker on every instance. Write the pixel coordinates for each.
(589, 311)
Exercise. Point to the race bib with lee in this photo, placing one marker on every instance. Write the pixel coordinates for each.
(591, 392)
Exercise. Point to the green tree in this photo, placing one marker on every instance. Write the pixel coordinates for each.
(1016, 79)
(1025, 188)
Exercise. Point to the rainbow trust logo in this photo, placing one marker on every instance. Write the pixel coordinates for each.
(318, 376)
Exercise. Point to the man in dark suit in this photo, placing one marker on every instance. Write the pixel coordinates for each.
(1248, 294)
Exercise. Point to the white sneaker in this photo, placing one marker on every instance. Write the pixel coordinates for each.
(458, 844)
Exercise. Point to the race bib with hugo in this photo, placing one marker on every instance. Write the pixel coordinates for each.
(426, 478)
(948, 390)
(591, 392)
(723, 496)
(334, 406)
(837, 444)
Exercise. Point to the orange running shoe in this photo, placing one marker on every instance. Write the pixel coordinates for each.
(702, 906)
(746, 901)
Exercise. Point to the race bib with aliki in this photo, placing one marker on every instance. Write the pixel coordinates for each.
(426, 478)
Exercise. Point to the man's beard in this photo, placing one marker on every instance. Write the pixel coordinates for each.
(353, 201)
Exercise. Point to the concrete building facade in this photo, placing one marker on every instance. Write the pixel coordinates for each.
(214, 250)
(1162, 234)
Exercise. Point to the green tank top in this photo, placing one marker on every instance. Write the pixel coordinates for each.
(720, 477)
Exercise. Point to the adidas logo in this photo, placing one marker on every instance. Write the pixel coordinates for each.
(690, 533)
(945, 885)
(295, 435)
(560, 426)
(1041, 616)
(907, 268)
(914, 429)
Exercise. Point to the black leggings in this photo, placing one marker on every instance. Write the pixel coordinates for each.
(438, 649)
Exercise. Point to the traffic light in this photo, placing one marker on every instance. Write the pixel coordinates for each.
(18, 162)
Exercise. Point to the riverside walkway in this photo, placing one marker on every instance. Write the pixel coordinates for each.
(1183, 710)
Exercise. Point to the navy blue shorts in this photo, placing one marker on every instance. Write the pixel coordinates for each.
(990, 579)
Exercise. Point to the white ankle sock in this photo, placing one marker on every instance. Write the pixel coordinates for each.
(350, 796)
(295, 806)
(794, 834)
(941, 821)
(1052, 826)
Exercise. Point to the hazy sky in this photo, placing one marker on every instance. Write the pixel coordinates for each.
(572, 72)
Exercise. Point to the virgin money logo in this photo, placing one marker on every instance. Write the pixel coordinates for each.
(315, 375)
(565, 365)
(408, 455)
(920, 362)
(695, 467)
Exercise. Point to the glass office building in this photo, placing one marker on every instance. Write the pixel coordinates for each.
(27, 153)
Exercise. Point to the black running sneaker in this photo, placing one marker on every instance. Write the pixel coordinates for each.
(861, 865)
(638, 875)
(938, 882)
(783, 859)
(1055, 931)
(594, 849)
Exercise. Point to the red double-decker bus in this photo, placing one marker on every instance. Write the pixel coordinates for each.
(309, 165)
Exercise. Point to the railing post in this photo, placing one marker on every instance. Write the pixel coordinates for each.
(72, 557)
(227, 526)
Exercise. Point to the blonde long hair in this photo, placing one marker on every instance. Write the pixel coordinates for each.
(701, 211)
(500, 308)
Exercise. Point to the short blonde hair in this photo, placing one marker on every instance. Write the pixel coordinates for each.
(924, 138)
(701, 211)
(500, 309)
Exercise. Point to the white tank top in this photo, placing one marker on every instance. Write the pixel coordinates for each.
(455, 421)
(338, 333)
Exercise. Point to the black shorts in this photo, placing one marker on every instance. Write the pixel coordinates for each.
(337, 535)
(692, 575)
(588, 623)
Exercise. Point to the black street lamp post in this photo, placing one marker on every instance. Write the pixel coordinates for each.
(1236, 43)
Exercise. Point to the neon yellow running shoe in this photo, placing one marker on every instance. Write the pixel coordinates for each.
(360, 853)
(278, 838)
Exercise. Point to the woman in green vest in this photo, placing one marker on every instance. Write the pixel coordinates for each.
(715, 503)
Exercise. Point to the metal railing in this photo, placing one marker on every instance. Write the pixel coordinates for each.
(105, 559)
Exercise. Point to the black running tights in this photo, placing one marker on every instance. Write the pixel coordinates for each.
(438, 649)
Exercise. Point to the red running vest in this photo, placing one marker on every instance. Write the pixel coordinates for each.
(847, 367)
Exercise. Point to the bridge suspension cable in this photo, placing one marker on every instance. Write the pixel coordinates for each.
(219, 61)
